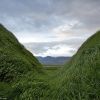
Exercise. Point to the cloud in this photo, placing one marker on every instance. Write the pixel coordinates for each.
(55, 48)
(58, 50)
(51, 49)
(35, 15)
(66, 29)
(51, 22)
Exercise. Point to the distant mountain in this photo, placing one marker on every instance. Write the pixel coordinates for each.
(53, 60)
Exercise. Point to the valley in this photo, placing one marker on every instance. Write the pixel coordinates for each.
(23, 77)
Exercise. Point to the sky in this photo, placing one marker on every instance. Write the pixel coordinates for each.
(51, 27)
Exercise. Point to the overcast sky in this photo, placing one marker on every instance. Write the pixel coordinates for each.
(51, 27)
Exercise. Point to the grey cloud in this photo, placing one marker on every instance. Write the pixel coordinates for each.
(37, 48)
(43, 15)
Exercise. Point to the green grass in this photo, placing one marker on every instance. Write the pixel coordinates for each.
(79, 79)
(15, 60)
(5, 89)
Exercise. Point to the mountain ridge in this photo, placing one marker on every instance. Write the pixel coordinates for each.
(49, 60)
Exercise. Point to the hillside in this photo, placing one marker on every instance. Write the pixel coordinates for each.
(53, 60)
(80, 78)
(15, 60)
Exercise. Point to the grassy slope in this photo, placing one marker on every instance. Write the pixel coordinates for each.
(80, 79)
(15, 60)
